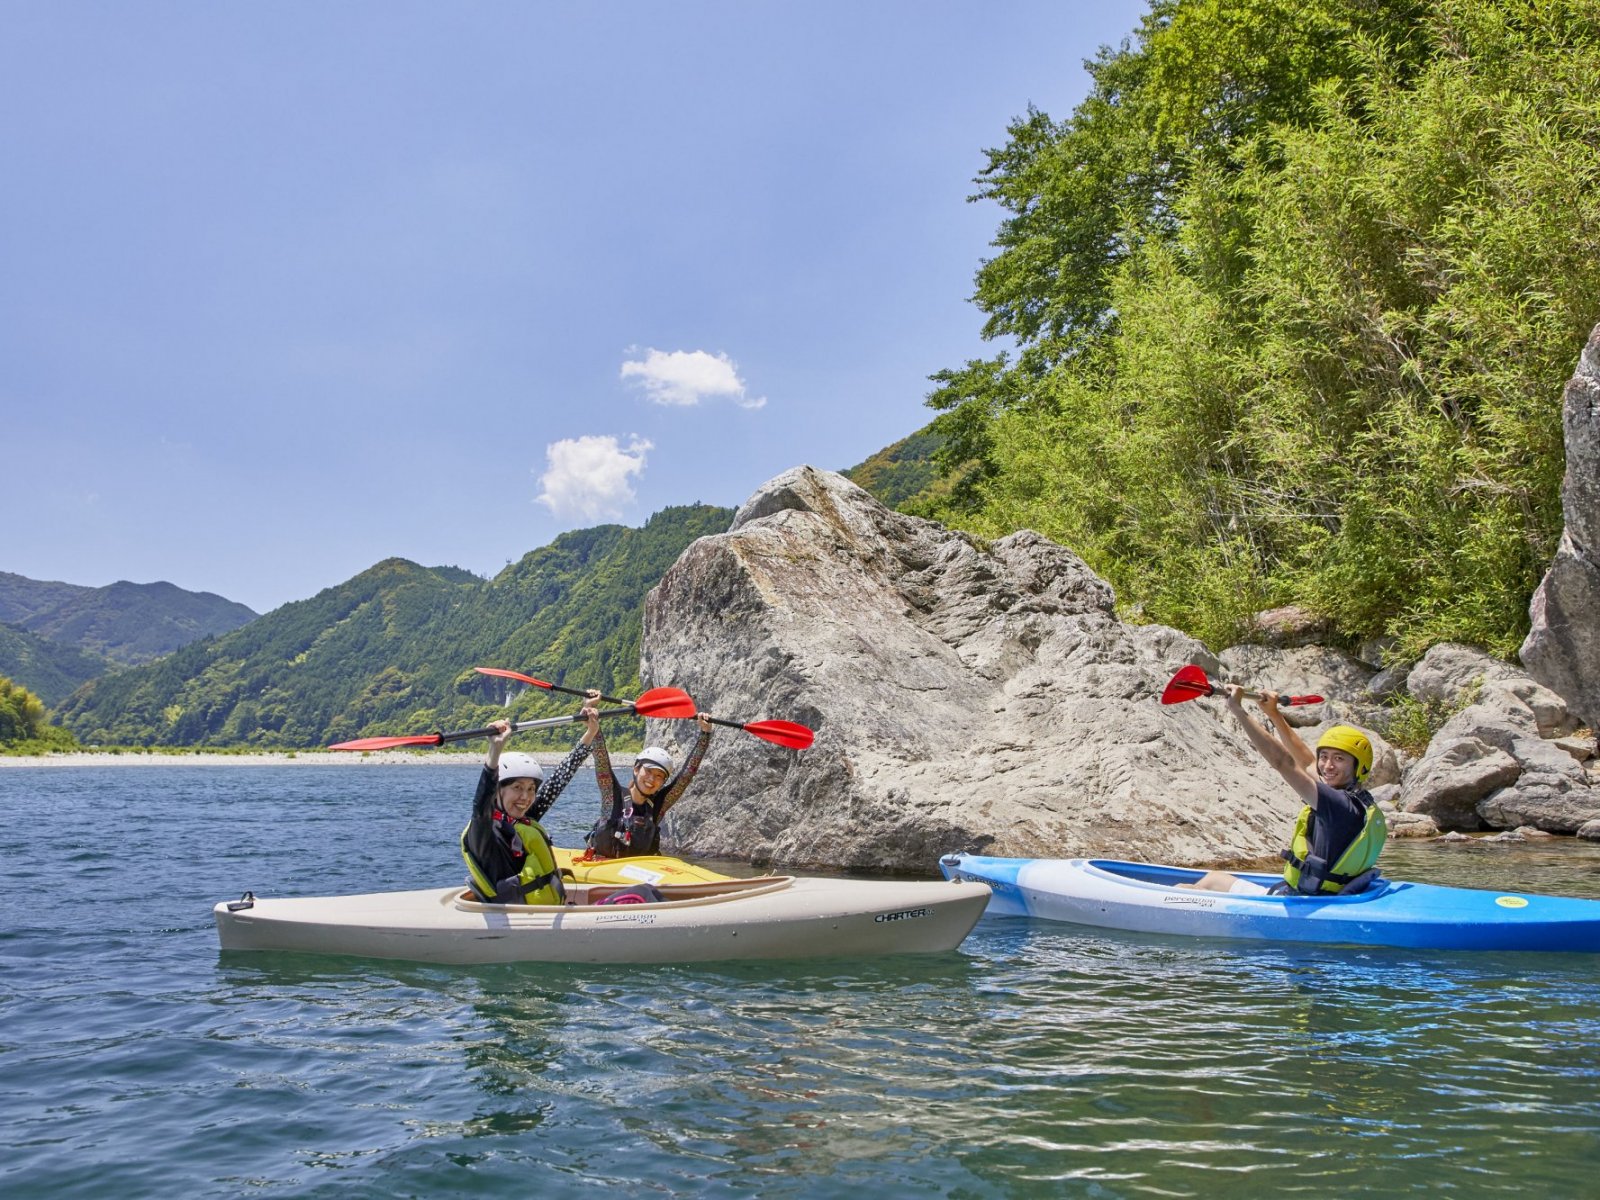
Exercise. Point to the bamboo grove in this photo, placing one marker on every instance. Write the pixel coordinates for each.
(1291, 298)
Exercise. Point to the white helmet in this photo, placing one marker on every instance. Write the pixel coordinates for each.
(517, 765)
(654, 756)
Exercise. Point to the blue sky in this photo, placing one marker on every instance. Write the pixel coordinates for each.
(287, 289)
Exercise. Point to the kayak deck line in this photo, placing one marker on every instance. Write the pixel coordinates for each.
(676, 895)
(1380, 886)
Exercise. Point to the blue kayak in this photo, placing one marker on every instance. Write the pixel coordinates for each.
(1146, 898)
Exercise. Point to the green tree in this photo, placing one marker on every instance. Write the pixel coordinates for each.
(1321, 359)
(24, 721)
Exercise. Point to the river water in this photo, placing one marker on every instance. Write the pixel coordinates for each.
(136, 1060)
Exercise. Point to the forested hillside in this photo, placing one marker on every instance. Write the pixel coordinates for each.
(123, 622)
(392, 650)
(904, 475)
(48, 669)
(21, 597)
(1294, 293)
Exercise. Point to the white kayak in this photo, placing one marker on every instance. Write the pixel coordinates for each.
(773, 916)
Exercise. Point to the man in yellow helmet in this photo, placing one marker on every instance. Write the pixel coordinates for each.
(1341, 830)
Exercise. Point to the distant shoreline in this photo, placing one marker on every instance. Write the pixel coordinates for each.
(282, 758)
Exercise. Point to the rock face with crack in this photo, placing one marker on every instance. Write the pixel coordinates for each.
(1562, 649)
(965, 697)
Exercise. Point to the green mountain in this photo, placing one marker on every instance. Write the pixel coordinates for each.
(906, 475)
(48, 669)
(21, 597)
(127, 623)
(392, 650)
(134, 623)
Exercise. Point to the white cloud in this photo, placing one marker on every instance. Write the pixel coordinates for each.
(588, 476)
(686, 377)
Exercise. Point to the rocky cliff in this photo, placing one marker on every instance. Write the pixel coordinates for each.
(965, 696)
(1562, 650)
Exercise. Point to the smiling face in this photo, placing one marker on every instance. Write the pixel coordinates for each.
(1337, 768)
(648, 780)
(516, 797)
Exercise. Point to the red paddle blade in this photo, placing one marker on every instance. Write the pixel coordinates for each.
(517, 675)
(1187, 684)
(1301, 700)
(782, 733)
(388, 743)
(666, 703)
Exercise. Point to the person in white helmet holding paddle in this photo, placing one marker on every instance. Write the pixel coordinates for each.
(508, 854)
(630, 817)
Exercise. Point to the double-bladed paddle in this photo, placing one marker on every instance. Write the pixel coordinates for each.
(781, 733)
(657, 702)
(1190, 683)
(549, 687)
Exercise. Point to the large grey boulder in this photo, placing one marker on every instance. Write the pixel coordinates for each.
(1454, 777)
(965, 697)
(1453, 675)
(1496, 764)
(1562, 649)
(1449, 674)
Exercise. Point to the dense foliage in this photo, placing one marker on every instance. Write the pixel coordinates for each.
(24, 727)
(903, 473)
(392, 650)
(1294, 294)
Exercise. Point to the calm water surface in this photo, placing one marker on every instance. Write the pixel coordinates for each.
(136, 1060)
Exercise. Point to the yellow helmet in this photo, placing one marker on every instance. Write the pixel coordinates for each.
(1353, 742)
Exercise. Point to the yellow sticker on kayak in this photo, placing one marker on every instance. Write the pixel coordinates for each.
(1511, 902)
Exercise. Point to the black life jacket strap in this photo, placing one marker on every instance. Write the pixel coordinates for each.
(543, 881)
(1344, 881)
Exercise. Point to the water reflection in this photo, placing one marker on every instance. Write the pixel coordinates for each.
(138, 1061)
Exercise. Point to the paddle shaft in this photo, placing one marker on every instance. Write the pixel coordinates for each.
(541, 683)
(1190, 683)
(544, 723)
(1252, 694)
(556, 687)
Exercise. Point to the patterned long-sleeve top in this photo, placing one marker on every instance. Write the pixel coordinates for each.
(626, 828)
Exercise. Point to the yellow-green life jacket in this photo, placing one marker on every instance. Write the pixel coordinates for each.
(1358, 858)
(540, 879)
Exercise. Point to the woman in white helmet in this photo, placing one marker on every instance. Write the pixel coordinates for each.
(630, 817)
(508, 853)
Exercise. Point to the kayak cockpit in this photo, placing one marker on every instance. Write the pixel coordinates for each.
(674, 895)
(1160, 876)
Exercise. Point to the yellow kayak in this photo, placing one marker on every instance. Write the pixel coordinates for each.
(645, 868)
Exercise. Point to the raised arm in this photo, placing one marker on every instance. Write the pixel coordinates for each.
(1278, 755)
(605, 779)
(552, 788)
(1287, 733)
(690, 766)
